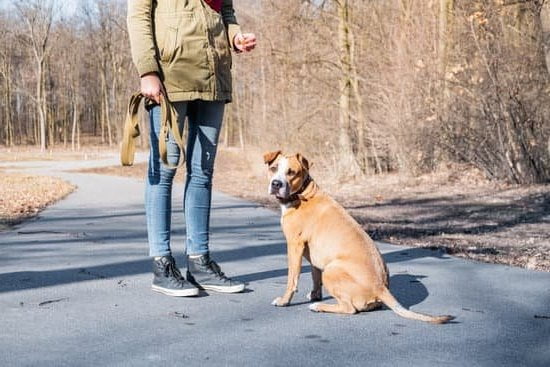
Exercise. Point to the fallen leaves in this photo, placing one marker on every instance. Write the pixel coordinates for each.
(23, 196)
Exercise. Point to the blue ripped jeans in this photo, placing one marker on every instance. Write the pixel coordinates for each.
(204, 121)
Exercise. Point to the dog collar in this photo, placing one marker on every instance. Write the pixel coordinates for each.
(296, 196)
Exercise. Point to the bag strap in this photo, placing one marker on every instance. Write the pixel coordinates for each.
(131, 131)
(169, 124)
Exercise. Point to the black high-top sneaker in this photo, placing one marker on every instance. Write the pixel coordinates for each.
(168, 280)
(204, 273)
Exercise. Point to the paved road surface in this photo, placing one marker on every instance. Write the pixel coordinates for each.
(75, 291)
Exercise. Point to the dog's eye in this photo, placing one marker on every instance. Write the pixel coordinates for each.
(273, 169)
(290, 172)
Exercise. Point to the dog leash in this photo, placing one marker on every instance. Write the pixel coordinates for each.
(169, 125)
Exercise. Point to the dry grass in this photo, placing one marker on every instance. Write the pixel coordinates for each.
(455, 208)
(31, 153)
(23, 196)
(233, 174)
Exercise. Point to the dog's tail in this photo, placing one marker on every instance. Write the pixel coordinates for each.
(390, 301)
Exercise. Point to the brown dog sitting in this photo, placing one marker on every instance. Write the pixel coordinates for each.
(343, 257)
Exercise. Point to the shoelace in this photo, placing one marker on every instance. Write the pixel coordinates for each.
(173, 269)
(215, 268)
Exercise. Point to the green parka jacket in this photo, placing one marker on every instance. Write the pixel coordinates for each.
(187, 43)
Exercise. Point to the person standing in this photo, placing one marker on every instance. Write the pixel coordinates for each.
(182, 51)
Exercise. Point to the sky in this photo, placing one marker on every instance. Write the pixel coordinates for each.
(67, 7)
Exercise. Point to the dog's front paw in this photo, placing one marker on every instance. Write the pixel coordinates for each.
(279, 302)
(314, 296)
(314, 307)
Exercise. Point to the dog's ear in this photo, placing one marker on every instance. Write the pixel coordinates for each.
(269, 157)
(303, 161)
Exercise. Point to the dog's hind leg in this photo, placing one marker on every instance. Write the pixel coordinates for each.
(340, 307)
(341, 286)
(362, 306)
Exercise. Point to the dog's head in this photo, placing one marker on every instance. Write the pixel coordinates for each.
(287, 174)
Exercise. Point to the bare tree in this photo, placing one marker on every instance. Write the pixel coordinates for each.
(38, 17)
(500, 121)
(345, 44)
(371, 86)
(5, 72)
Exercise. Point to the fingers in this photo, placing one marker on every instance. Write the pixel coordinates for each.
(249, 41)
(152, 95)
(245, 42)
(238, 41)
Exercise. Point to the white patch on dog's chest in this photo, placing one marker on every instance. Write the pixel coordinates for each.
(284, 208)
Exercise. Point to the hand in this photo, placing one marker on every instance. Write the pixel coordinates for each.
(244, 42)
(151, 87)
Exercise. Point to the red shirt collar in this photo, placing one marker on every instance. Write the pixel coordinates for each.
(215, 4)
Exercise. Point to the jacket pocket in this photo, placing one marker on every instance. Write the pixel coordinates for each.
(184, 52)
(172, 29)
(169, 44)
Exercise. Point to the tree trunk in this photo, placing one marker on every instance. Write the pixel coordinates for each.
(75, 122)
(77, 136)
(36, 128)
(106, 108)
(445, 21)
(102, 109)
(264, 88)
(8, 139)
(348, 163)
(445, 15)
(40, 105)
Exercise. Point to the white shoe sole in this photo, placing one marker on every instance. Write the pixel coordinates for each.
(224, 289)
(176, 293)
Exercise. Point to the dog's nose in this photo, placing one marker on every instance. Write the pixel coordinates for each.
(276, 184)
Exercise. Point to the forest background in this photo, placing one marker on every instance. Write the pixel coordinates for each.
(364, 88)
(379, 86)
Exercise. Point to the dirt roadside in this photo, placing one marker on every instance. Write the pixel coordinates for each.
(455, 209)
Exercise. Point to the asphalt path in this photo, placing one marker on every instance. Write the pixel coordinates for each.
(75, 290)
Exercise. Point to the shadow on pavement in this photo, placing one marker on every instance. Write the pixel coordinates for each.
(414, 253)
(22, 280)
(405, 287)
(268, 274)
(408, 289)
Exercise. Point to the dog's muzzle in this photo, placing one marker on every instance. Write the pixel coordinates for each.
(278, 188)
(276, 185)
